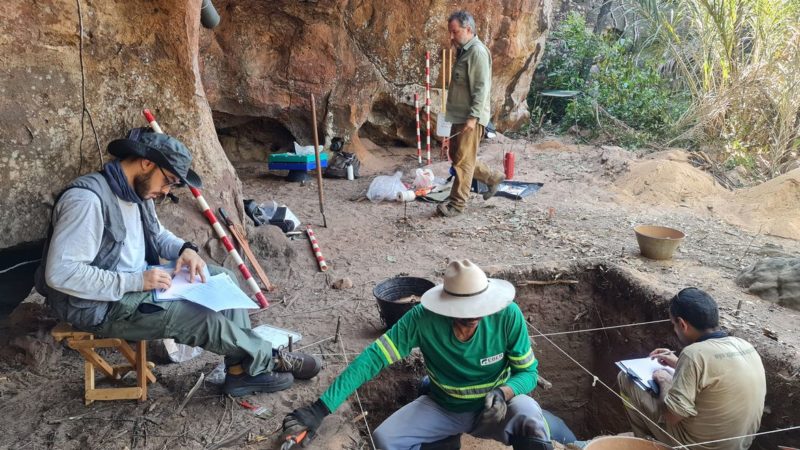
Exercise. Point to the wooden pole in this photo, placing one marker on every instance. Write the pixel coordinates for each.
(444, 76)
(450, 67)
(319, 164)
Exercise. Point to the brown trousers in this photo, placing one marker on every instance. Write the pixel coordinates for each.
(647, 404)
(464, 153)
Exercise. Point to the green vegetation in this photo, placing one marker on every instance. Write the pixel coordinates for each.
(718, 75)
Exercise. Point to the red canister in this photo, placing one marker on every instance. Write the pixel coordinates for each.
(508, 165)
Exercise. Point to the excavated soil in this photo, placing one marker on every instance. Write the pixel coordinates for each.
(578, 227)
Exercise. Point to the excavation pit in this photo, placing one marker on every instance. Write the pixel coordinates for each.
(590, 297)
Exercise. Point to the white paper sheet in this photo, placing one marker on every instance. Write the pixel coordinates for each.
(218, 293)
(641, 370)
(179, 283)
(278, 337)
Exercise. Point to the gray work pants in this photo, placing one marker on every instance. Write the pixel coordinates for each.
(423, 421)
(137, 317)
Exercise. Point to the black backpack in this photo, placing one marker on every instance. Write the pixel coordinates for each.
(337, 165)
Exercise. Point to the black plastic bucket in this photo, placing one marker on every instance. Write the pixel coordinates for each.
(387, 292)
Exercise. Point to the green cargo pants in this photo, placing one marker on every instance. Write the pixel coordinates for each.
(137, 317)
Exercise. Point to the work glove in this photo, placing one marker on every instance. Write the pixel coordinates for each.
(306, 418)
(494, 407)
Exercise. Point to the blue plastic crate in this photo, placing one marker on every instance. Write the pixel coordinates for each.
(297, 166)
(292, 161)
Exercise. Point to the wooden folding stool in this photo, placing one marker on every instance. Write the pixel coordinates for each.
(85, 343)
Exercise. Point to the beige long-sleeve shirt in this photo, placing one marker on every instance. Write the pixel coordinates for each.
(470, 84)
(719, 389)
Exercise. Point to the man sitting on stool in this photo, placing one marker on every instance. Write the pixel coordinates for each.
(96, 273)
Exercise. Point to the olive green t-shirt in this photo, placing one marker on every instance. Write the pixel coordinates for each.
(719, 388)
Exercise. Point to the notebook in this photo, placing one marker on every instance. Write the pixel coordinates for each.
(640, 370)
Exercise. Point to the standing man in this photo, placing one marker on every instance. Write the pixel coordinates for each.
(468, 107)
(717, 391)
(104, 236)
(479, 359)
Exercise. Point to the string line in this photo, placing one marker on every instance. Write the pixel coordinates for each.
(601, 328)
(797, 427)
(358, 398)
(596, 379)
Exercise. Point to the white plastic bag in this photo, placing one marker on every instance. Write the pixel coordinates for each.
(442, 126)
(307, 150)
(385, 187)
(424, 179)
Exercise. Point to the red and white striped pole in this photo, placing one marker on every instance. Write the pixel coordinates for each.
(323, 266)
(212, 219)
(428, 104)
(419, 143)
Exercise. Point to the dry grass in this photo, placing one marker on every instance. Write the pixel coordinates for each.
(740, 59)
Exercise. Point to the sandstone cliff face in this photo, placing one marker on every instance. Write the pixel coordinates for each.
(59, 107)
(136, 54)
(363, 60)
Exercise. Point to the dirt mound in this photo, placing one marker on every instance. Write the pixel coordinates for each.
(771, 208)
(661, 182)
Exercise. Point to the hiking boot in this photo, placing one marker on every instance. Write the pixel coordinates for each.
(493, 188)
(302, 365)
(244, 384)
(447, 210)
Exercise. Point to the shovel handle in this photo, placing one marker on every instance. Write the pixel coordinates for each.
(225, 217)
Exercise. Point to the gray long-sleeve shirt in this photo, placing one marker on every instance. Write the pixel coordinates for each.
(77, 233)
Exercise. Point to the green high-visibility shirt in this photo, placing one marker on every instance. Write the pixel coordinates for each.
(461, 373)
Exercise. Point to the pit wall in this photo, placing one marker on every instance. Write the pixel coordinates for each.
(603, 296)
(606, 296)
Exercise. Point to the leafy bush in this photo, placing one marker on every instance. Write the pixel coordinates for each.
(619, 89)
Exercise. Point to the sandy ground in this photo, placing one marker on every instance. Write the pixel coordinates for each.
(591, 199)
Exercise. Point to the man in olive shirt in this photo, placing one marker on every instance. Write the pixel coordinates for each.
(468, 110)
(718, 388)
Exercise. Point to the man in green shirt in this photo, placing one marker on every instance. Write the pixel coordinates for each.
(718, 388)
(478, 357)
(468, 106)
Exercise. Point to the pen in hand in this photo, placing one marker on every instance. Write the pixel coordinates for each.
(665, 357)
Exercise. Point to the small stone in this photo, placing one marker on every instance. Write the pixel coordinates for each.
(344, 283)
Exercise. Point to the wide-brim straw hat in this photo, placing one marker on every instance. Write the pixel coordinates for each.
(467, 293)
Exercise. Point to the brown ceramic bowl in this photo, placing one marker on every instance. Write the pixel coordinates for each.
(657, 242)
(624, 443)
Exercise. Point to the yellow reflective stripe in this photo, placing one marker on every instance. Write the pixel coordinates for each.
(391, 344)
(385, 353)
(389, 350)
(526, 365)
(517, 359)
(524, 361)
(475, 391)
